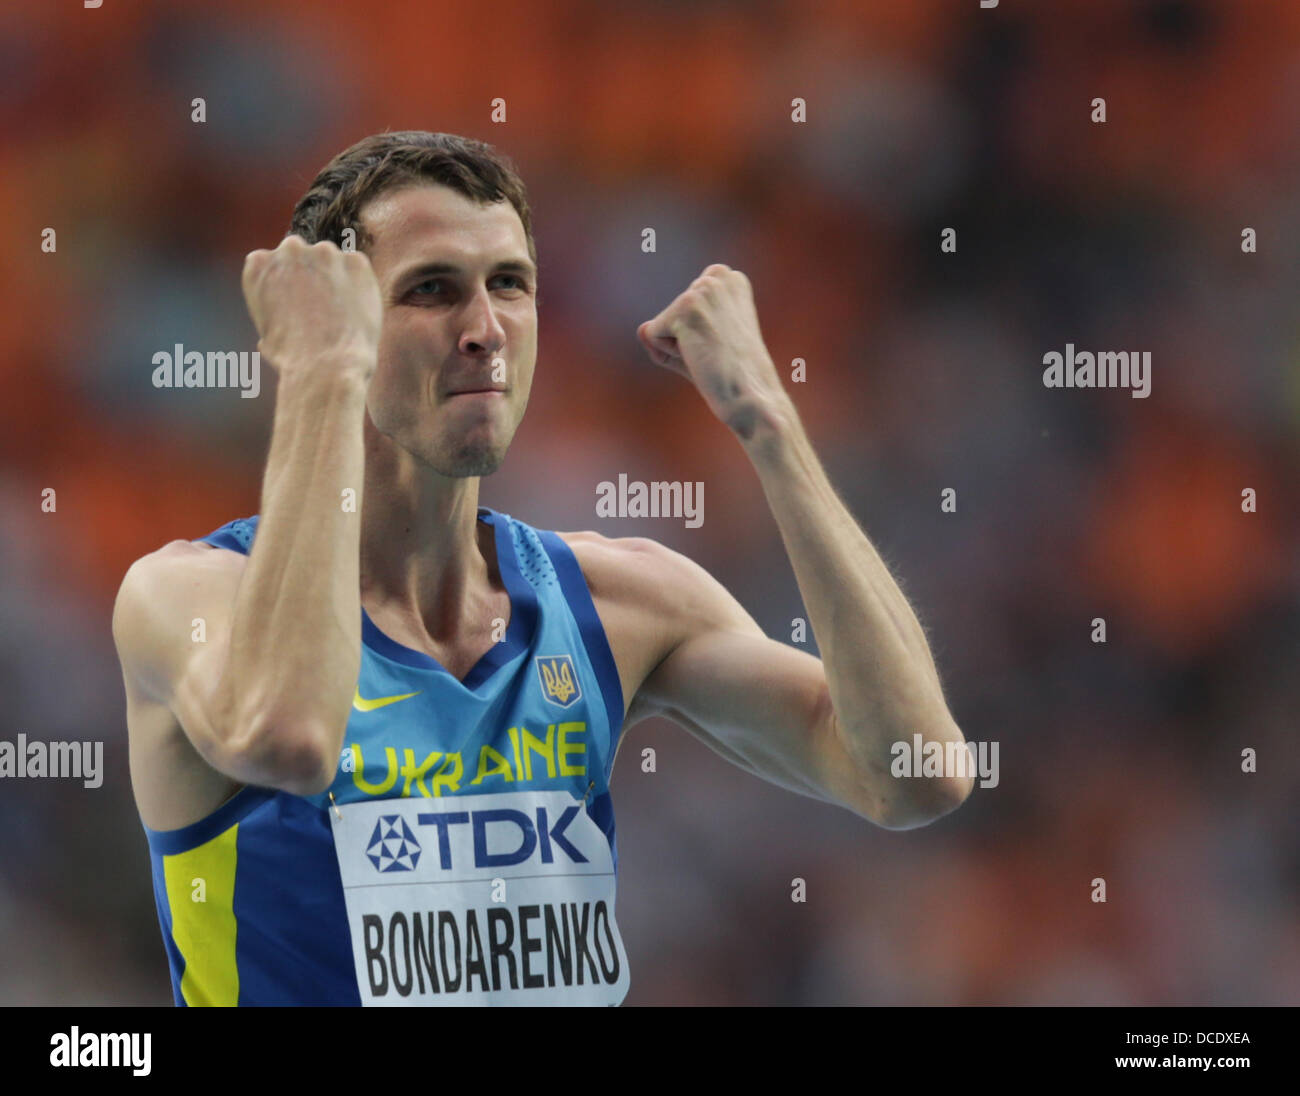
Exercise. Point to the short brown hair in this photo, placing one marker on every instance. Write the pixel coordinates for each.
(382, 161)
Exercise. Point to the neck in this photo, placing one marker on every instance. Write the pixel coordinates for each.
(423, 553)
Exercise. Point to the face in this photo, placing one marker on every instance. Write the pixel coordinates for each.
(459, 337)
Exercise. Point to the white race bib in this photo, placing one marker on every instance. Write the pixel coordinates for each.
(480, 899)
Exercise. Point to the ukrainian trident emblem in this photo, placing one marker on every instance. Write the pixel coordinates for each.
(559, 680)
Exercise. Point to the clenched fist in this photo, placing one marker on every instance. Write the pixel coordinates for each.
(314, 306)
(710, 335)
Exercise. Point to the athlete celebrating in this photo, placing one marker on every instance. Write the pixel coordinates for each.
(372, 729)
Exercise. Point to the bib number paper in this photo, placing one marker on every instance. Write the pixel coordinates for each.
(480, 899)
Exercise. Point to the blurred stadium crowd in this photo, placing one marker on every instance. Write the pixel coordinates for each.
(1119, 760)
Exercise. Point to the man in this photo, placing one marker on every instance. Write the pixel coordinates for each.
(372, 729)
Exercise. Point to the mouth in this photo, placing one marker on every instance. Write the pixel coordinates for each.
(476, 392)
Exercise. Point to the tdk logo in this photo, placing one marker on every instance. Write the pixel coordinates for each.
(393, 846)
(510, 829)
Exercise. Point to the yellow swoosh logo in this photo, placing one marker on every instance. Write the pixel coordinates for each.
(363, 705)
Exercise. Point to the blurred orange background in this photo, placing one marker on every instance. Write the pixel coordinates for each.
(1119, 760)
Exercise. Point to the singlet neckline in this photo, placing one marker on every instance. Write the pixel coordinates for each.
(519, 631)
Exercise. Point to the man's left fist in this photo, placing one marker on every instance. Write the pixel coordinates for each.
(710, 335)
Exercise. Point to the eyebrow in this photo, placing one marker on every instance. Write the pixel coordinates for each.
(509, 266)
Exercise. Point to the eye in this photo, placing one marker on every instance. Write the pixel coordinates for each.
(430, 281)
(519, 282)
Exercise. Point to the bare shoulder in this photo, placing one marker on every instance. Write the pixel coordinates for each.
(187, 562)
(619, 565)
(180, 557)
(650, 600)
(162, 597)
(161, 594)
(642, 576)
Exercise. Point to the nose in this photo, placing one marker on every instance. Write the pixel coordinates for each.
(481, 331)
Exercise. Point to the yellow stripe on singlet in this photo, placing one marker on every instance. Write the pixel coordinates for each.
(204, 931)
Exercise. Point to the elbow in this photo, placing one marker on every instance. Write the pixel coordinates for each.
(312, 772)
(295, 756)
(949, 794)
(912, 812)
(922, 783)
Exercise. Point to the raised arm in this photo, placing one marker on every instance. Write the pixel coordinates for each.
(829, 725)
(264, 698)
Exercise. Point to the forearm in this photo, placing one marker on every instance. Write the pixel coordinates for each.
(880, 680)
(295, 645)
(880, 674)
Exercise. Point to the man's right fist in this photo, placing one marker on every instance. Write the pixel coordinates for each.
(314, 306)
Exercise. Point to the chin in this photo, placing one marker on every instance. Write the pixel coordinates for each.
(469, 461)
(480, 466)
